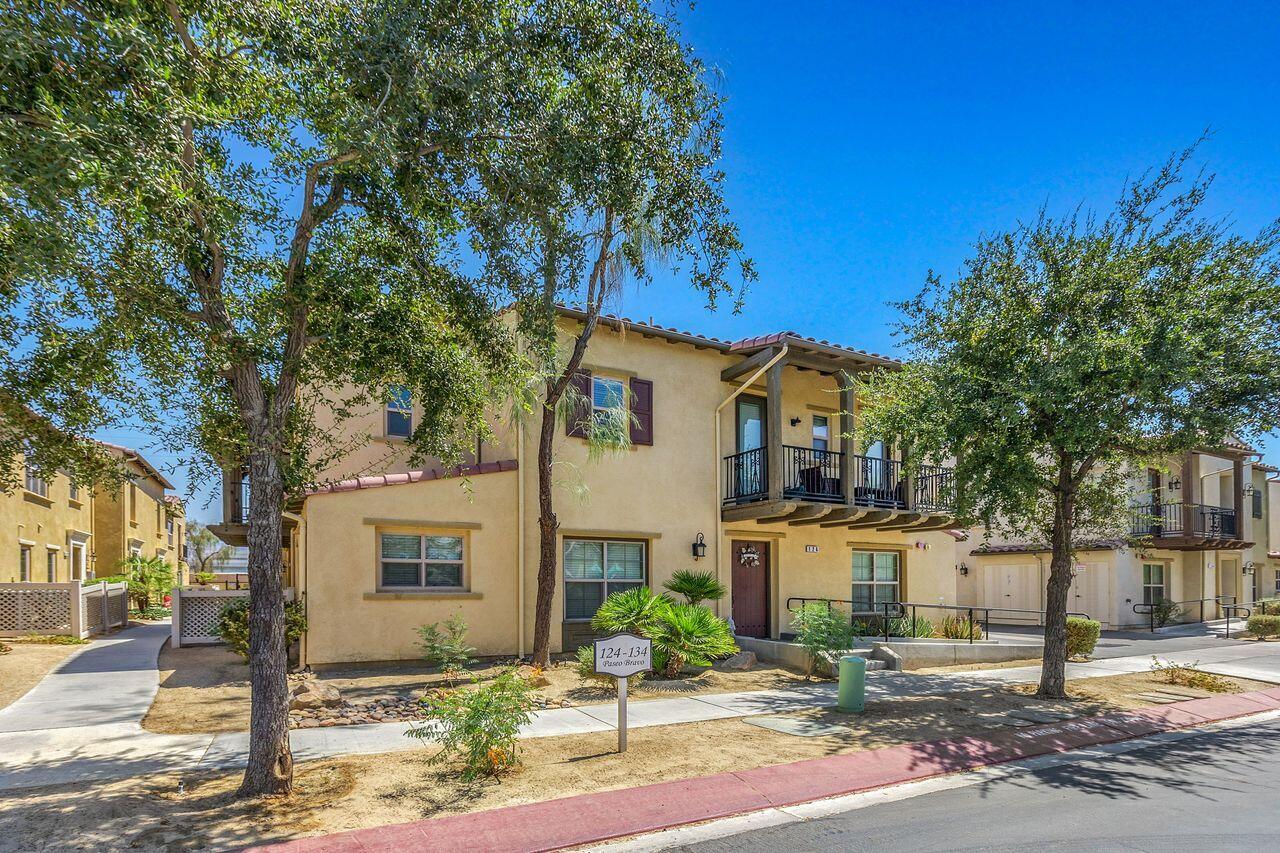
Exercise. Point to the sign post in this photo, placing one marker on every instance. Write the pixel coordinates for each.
(622, 656)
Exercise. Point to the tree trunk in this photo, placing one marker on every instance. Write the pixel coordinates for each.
(1053, 674)
(546, 534)
(270, 767)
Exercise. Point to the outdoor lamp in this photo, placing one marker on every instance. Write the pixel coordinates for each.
(699, 547)
(1248, 488)
(962, 569)
(1174, 484)
(1249, 567)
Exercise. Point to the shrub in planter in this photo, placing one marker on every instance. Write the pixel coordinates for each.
(631, 611)
(696, 587)
(689, 634)
(446, 649)
(1165, 611)
(1082, 636)
(1263, 626)
(822, 631)
(961, 628)
(233, 625)
(479, 725)
(905, 626)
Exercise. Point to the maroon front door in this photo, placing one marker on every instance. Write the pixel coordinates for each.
(750, 598)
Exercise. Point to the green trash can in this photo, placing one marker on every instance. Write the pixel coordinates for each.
(853, 684)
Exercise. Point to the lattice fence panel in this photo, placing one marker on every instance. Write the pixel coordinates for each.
(117, 606)
(198, 616)
(94, 612)
(25, 610)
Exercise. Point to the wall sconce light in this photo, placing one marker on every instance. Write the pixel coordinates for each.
(1175, 483)
(795, 422)
(962, 569)
(1248, 489)
(1249, 567)
(699, 547)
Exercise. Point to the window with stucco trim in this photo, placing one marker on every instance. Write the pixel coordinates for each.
(400, 413)
(877, 579)
(1154, 581)
(24, 564)
(594, 569)
(421, 561)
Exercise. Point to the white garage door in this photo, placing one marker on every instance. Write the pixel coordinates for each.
(1011, 589)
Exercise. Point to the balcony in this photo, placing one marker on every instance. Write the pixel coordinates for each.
(234, 529)
(1187, 526)
(831, 487)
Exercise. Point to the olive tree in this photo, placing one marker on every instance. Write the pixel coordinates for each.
(1070, 351)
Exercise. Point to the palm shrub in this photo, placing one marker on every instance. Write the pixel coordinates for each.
(479, 725)
(696, 587)
(822, 631)
(148, 577)
(632, 611)
(446, 648)
(689, 634)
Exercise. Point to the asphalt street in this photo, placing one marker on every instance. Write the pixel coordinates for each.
(1212, 791)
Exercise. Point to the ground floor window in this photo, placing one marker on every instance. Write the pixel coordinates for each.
(411, 560)
(51, 564)
(77, 561)
(1154, 587)
(597, 568)
(24, 564)
(877, 578)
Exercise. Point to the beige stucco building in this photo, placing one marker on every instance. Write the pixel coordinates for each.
(139, 518)
(734, 445)
(46, 530)
(1201, 536)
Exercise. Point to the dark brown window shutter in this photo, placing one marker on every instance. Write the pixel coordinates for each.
(580, 416)
(641, 411)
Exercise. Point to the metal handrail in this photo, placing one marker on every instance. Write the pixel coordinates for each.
(1232, 608)
(1150, 609)
(901, 611)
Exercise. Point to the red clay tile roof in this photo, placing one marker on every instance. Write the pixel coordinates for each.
(131, 455)
(414, 477)
(804, 342)
(1033, 548)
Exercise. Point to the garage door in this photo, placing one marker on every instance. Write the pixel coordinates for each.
(1010, 589)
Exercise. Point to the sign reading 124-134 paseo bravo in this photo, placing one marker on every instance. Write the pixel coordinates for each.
(621, 656)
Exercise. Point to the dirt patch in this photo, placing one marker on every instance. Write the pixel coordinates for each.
(977, 667)
(22, 668)
(361, 791)
(206, 688)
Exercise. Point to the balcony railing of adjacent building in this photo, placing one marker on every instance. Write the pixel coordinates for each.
(238, 511)
(1169, 519)
(814, 475)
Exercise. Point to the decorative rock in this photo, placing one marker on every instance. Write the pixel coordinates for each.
(327, 723)
(742, 661)
(311, 694)
(533, 675)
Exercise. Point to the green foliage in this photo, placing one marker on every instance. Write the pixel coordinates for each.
(1165, 611)
(905, 626)
(1082, 636)
(446, 648)
(1263, 626)
(1186, 675)
(688, 634)
(204, 577)
(480, 725)
(696, 587)
(961, 628)
(150, 578)
(233, 625)
(823, 631)
(51, 640)
(633, 611)
(1070, 351)
(585, 665)
(153, 612)
(208, 552)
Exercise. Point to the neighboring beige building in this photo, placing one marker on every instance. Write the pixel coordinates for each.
(734, 446)
(1199, 537)
(46, 530)
(139, 518)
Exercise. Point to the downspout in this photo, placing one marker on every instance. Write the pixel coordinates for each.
(520, 538)
(716, 469)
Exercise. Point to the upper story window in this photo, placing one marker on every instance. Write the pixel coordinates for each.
(821, 432)
(33, 482)
(607, 396)
(422, 561)
(24, 564)
(1257, 503)
(168, 524)
(73, 491)
(133, 503)
(400, 413)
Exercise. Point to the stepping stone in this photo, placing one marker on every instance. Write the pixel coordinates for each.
(797, 726)
(1159, 698)
(1037, 715)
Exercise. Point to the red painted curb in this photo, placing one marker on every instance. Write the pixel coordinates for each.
(593, 818)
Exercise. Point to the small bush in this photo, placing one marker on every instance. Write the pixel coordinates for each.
(1082, 636)
(1263, 626)
(204, 577)
(961, 628)
(1165, 611)
(632, 611)
(1189, 676)
(696, 587)
(233, 625)
(50, 640)
(901, 626)
(446, 649)
(822, 631)
(480, 725)
(153, 612)
(689, 634)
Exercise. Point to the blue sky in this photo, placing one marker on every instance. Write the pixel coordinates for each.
(867, 143)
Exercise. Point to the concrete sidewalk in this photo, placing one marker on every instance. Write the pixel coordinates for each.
(83, 721)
